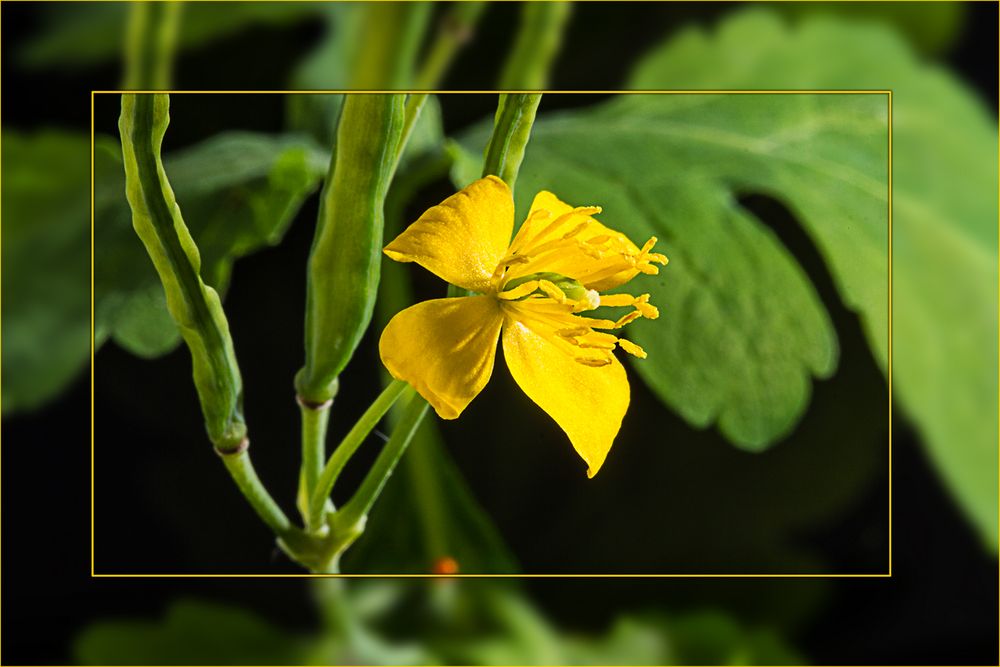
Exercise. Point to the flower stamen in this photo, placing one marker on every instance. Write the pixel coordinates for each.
(631, 348)
(519, 291)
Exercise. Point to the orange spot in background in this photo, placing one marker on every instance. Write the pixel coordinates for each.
(445, 565)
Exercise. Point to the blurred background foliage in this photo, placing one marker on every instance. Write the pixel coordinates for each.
(772, 210)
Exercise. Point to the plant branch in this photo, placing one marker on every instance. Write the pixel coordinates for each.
(356, 510)
(538, 40)
(347, 447)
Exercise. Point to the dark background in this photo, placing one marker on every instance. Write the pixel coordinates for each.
(939, 607)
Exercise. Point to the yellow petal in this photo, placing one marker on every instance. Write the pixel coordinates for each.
(463, 238)
(594, 256)
(587, 400)
(444, 348)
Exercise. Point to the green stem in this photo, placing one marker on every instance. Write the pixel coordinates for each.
(356, 510)
(411, 112)
(511, 131)
(150, 42)
(454, 31)
(538, 40)
(242, 471)
(315, 419)
(390, 36)
(345, 450)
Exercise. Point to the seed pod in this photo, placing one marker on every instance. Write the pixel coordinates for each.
(192, 304)
(511, 131)
(346, 254)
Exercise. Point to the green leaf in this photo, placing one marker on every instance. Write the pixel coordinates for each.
(499, 626)
(239, 192)
(931, 27)
(192, 633)
(90, 35)
(46, 311)
(944, 226)
(699, 638)
(742, 328)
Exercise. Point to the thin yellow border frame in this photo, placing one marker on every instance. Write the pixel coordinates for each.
(879, 575)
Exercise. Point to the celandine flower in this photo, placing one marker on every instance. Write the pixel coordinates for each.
(534, 292)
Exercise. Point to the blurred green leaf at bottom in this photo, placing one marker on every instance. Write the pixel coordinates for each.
(192, 633)
(439, 622)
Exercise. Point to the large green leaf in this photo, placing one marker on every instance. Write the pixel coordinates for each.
(742, 328)
(944, 226)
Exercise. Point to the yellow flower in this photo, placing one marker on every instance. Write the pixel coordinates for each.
(532, 291)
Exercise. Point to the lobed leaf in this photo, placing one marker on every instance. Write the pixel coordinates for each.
(944, 226)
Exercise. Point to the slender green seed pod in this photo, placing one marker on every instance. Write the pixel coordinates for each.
(346, 254)
(511, 131)
(193, 305)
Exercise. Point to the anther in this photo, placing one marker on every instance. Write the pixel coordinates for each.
(519, 291)
(576, 230)
(595, 345)
(617, 300)
(645, 308)
(573, 332)
(592, 362)
(625, 319)
(631, 348)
